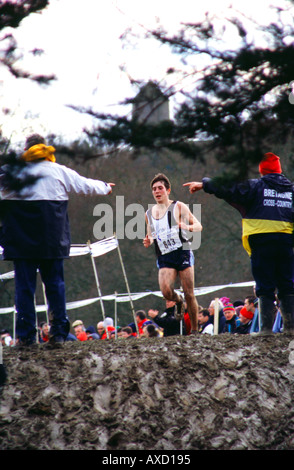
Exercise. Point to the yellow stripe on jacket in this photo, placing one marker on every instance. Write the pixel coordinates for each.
(255, 226)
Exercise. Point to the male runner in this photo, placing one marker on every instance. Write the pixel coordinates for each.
(167, 221)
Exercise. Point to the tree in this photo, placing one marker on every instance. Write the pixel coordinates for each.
(11, 15)
(239, 102)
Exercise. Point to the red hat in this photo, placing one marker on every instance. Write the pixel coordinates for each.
(270, 164)
(245, 313)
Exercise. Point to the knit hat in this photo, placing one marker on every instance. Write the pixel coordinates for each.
(228, 307)
(270, 164)
(245, 313)
(90, 329)
(108, 321)
(225, 300)
(77, 323)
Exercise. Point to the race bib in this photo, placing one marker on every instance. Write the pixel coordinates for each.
(168, 240)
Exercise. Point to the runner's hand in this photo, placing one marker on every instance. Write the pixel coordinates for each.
(184, 226)
(146, 241)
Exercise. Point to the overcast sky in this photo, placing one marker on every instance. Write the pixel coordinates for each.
(83, 49)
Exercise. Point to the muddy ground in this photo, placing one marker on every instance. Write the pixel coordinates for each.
(179, 393)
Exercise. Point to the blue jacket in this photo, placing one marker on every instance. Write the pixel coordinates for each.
(231, 325)
(265, 204)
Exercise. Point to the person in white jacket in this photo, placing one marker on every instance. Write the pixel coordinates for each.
(36, 234)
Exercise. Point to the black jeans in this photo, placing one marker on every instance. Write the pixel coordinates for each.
(272, 264)
(52, 276)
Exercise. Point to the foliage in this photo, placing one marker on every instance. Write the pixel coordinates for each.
(239, 101)
(13, 175)
(11, 15)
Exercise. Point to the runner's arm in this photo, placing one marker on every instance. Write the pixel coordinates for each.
(187, 221)
(148, 240)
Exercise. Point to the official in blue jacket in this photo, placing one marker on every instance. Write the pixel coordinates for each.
(265, 205)
(36, 234)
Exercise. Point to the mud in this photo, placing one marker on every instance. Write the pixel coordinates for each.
(227, 392)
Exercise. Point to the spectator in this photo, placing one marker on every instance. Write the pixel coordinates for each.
(80, 330)
(225, 300)
(205, 325)
(187, 328)
(166, 320)
(238, 309)
(108, 321)
(104, 331)
(44, 332)
(150, 331)
(90, 332)
(71, 337)
(278, 324)
(141, 319)
(221, 318)
(238, 303)
(245, 318)
(251, 304)
(100, 329)
(127, 332)
(36, 234)
(6, 338)
(232, 321)
(132, 325)
(116, 333)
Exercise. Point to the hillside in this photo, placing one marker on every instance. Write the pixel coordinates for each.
(227, 392)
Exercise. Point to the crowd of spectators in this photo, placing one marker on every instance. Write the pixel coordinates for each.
(233, 317)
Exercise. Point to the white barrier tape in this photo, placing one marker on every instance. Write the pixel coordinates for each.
(4, 277)
(139, 295)
(96, 249)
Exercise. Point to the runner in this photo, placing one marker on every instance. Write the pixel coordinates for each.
(168, 222)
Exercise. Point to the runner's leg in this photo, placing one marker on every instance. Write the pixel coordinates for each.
(187, 281)
(166, 280)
